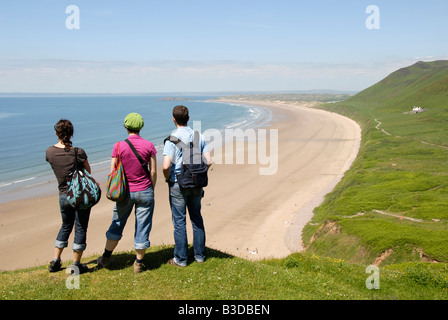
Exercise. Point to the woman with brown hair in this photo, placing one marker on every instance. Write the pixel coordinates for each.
(61, 157)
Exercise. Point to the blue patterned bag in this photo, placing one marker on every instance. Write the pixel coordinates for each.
(83, 191)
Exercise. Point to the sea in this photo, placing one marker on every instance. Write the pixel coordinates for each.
(27, 130)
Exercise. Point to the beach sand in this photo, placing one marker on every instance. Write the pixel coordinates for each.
(246, 214)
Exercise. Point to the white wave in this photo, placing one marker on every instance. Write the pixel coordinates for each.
(236, 124)
(5, 184)
(37, 184)
(100, 163)
(4, 115)
(24, 180)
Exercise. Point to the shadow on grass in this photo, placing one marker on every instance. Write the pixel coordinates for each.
(154, 259)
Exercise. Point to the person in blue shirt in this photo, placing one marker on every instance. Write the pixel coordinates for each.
(183, 199)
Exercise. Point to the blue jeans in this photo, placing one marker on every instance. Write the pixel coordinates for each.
(72, 217)
(144, 209)
(180, 200)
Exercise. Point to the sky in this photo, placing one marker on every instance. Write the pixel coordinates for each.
(137, 46)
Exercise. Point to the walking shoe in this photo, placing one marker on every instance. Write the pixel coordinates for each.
(54, 266)
(103, 262)
(199, 260)
(173, 262)
(79, 269)
(138, 267)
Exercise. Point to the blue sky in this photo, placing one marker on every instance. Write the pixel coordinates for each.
(213, 45)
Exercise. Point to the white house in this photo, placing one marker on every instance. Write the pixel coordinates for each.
(417, 109)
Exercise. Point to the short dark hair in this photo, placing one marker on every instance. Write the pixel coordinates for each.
(64, 131)
(180, 114)
(132, 131)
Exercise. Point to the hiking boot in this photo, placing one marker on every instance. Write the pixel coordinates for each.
(138, 267)
(54, 266)
(173, 262)
(104, 262)
(79, 269)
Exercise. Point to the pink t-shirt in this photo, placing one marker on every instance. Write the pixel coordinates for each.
(135, 174)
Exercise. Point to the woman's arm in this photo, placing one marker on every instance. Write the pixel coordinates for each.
(153, 171)
(87, 166)
(113, 164)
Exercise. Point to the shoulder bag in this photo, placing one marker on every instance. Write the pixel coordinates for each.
(83, 191)
(117, 188)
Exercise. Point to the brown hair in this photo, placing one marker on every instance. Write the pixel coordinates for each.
(180, 114)
(64, 131)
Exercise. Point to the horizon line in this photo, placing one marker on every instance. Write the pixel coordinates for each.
(176, 93)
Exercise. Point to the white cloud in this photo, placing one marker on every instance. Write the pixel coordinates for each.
(179, 75)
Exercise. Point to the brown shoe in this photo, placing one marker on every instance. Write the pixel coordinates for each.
(138, 267)
(103, 262)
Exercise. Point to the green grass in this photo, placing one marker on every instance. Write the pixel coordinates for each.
(404, 172)
(223, 277)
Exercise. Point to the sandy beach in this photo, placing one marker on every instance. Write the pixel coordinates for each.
(246, 214)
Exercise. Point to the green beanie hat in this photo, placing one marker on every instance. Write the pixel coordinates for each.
(133, 121)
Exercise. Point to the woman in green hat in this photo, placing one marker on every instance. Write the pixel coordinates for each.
(141, 182)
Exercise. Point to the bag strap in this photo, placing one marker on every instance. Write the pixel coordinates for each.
(144, 165)
(76, 159)
(180, 143)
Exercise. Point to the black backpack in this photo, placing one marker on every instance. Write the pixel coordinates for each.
(194, 167)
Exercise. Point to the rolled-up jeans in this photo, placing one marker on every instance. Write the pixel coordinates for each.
(144, 209)
(72, 217)
(180, 200)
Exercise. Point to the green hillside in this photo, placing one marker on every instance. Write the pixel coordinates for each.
(420, 83)
(424, 84)
(393, 203)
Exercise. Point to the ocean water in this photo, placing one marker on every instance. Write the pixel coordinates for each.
(27, 130)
